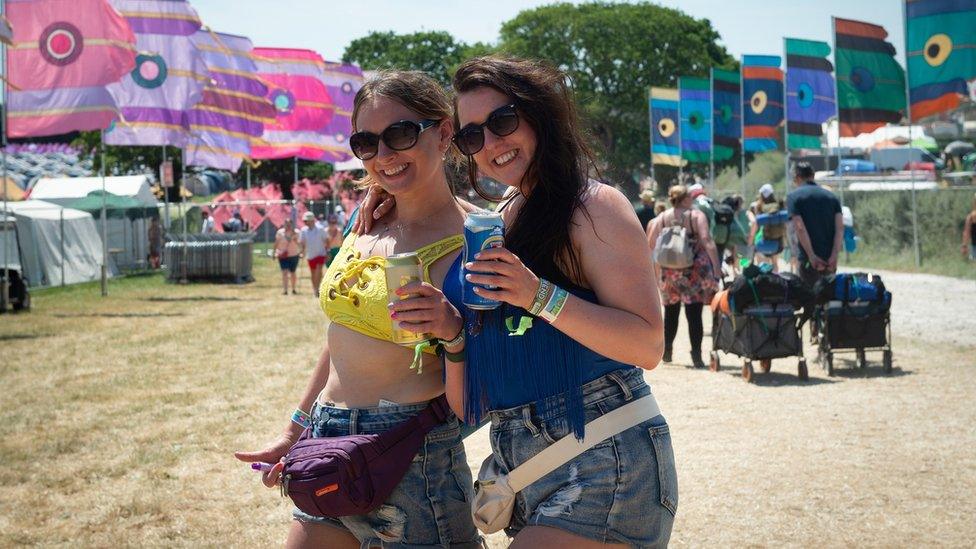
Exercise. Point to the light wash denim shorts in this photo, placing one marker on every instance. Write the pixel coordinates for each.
(431, 507)
(623, 490)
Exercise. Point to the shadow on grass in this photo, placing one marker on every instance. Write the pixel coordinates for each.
(115, 315)
(159, 298)
(14, 337)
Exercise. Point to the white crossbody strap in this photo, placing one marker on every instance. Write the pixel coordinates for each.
(567, 448)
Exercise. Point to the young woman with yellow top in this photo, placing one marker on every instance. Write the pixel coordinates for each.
(580, 320)
(364, 382)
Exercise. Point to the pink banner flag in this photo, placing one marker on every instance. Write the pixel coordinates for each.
(168, 79)
(63, 55)
(303, 107)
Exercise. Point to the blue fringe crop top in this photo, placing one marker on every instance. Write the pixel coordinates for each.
(543, 366)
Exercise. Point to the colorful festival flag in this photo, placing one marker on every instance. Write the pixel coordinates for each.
(762, 102)
(63, 55)
(234, 108)
(941, 44)
(665, 134)
(296, 82)
(342, 81)
(167, 80)
(870, 82)
(726, 113)
(809, 92)
(695, 104)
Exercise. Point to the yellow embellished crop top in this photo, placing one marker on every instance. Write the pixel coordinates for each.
(353, 290)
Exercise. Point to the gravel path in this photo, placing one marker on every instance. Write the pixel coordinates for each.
(932, 308)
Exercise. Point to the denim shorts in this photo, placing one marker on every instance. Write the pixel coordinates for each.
(623, 490)
(431, 505)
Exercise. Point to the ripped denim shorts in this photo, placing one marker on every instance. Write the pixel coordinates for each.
(623, 490)
(431, 505)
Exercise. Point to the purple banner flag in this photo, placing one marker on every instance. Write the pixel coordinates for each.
(342, 80)
(234, 108)
(168, 79)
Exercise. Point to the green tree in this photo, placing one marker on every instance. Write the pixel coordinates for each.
(613, 53)
(434, 52)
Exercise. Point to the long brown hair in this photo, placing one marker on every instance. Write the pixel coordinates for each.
(414, 90)
(557, 172)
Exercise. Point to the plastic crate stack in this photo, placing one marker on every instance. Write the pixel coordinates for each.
(226, 257)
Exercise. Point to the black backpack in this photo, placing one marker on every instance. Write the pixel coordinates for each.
(724, 216)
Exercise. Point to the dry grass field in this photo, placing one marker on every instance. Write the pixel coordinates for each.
(118, 417)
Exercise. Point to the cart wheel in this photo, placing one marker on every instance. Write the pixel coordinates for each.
(801, 370)
(766, 364)
(886, 361)
(862, 361)
(828, 363)
(747, 371)
(714, 365)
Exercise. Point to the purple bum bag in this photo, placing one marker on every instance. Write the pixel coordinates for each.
(355, 474)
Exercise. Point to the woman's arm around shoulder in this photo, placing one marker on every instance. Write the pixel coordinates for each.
(615, 258)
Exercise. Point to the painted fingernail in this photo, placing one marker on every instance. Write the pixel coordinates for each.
(467, 277)
(393, 314)
(477, 256)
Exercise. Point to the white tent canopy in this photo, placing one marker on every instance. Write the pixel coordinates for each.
(57, 245)
(128, 239)
(64, 190)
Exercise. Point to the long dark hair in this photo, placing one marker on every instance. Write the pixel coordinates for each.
(554, 183)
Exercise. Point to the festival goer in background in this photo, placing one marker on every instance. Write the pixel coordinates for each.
(314, 247)
(969, 233)
(235, 224)
(767, 203)
(333, 239)
(340, 214)
(288, 252)
(363, 382)
(694, 286)
(659, 207)
(155, 236)
(320, 221)
(816, 216)
(574, 238)
(207, 226)
(645, 213)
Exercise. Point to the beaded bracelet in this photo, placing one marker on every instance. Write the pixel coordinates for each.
(541, 296)
(301, 418)
(555, 305)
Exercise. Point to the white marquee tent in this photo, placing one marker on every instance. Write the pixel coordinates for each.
(56, 245)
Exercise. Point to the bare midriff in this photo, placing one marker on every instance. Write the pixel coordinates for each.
(364, 370)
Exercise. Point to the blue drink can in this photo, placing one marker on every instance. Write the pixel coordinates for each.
(481, 231)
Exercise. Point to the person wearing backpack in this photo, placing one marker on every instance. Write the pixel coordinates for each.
(687, 264)
(769, 211)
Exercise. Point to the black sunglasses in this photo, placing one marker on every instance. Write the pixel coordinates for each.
(398, 136)
(501, 122)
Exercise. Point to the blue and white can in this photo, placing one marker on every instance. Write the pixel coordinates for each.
(481, 231)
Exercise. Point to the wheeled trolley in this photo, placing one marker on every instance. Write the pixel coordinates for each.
(856, 327)
(761, 332)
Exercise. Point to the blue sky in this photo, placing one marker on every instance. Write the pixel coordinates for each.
(746, 26)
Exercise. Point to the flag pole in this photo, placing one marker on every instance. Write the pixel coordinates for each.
(247, 183)
(742, 132)
(183, 213)
(101, 173)
(681, 149)
(911, 146)
(711, 129)
(4, 285)
(837, 173)
(786, 124)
